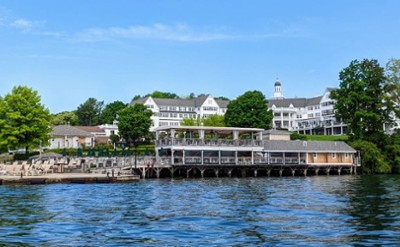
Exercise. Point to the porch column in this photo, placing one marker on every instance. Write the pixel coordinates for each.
(183, 156)
(201, 134)
(252, 157)
(281, 119)
(157, 135)
(306, 157)
(298, 159)
(235, 135)
(236, 157)
(219, 157)
(172, 156)
(260, 136)
(202, 157)
(284, 158)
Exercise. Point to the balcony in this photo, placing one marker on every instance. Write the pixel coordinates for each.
(208, 142)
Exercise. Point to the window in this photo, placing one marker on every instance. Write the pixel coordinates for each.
(346, 156)
(310, 115)
(210, 108)
(333, 155)
(315, 155)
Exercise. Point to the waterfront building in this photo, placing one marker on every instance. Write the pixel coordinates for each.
(67, 136)
(200, 147)
(171, 112)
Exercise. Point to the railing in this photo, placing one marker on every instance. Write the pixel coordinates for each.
(207, 142)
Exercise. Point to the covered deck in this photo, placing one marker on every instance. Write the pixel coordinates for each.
(200, 145)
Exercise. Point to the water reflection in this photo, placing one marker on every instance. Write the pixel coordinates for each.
(309, 211)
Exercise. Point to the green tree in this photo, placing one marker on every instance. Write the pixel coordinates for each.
(136, 97)
(89, 112)
(249, 110)
(109, 114)
(221, 98)
(114, 139)
(24, 121)
(361, 100)
(372, 159)
(214, 120)
(192, 121)
(163, 95)
(393, 83)
(134, 124)
(65, 117)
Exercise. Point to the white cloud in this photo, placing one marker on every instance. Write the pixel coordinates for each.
(179, 32)
(22, 24)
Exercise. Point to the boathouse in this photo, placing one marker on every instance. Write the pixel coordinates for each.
(223, 149)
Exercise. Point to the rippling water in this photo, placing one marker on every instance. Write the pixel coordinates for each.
(308, 211)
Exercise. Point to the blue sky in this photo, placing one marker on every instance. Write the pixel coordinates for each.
(113, 50)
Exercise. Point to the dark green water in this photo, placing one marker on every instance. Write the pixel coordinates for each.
(304, 211)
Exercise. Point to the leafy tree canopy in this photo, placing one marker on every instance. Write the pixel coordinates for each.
(393, 83)
(89, 112)
(372, 159)
(163, 95)
(221, 98)
(192, 121)
(110, 112)
(65, 117)
(24, 121)
(362, 101)
(212, 120)
(134, 123)
(249, 110)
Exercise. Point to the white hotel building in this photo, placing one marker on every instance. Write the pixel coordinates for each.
(171, 112)
(303, 115)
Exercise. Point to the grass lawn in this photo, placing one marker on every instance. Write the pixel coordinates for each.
(326, 138)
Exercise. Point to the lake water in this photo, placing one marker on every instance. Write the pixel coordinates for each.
(307, 211)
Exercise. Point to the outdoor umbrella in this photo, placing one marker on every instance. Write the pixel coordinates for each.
(79, 152)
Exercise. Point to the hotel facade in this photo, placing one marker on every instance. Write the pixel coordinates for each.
(303, 115)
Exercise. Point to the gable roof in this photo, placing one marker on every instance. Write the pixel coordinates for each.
(296, 102)
(196, 102)
(310, 146)
(91, 129)
(222, 103)
(68, 130)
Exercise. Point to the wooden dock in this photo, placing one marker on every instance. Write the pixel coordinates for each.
(67, 178)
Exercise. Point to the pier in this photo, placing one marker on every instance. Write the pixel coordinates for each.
(67, 178)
